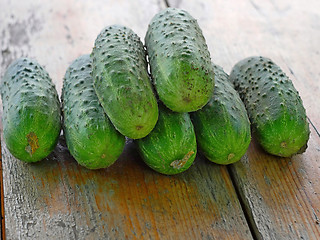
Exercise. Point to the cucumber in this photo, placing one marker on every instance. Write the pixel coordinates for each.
(122, 82)
(222, 126)
(180, 60)
(171, 147)
(31, 111)
(274, 106)
(91, 138)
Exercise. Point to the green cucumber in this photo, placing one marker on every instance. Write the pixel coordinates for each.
(171, 147)
(91, 138)
(122, 82)
(31, 111)
(274, 106)
(222, 126)
(180, 61)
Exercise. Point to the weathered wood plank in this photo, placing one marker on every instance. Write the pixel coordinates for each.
(57, 32)
(56, 198)
(280, 195)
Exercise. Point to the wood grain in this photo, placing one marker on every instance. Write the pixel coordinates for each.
(58, 199)
(56, 32)
(280, 195)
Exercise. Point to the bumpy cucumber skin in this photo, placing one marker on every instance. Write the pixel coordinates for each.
(31, 111)
(274, 106)
(122, 82)
(91, 138)
(222, 126)
(171, 146)
(180, 61)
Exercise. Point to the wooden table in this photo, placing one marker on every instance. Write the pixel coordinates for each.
(260, 197)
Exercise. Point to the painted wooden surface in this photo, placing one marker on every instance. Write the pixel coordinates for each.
(56, 198)
(280, 195)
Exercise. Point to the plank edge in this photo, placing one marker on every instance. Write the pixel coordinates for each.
(314, 127)
(244, 204)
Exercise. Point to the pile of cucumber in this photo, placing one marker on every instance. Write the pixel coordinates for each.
(183, 104)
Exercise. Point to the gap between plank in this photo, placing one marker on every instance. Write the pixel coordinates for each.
(314, 127)
(166, 2)
(253, 229)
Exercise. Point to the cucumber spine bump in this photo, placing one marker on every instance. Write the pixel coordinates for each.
(180, 60)
(31, 111)
(273, 104)
(91, 138)
(222, 126)
(122, 82)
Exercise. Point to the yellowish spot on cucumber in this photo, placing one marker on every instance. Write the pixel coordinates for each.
(230, 156)
(187, 99)
(33, 143)
(283, 144)
(103, 156)
(138, 127)
(178, 164)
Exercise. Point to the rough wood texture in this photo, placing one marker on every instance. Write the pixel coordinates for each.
(56, 198)
(281, 196)
(56, 32)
